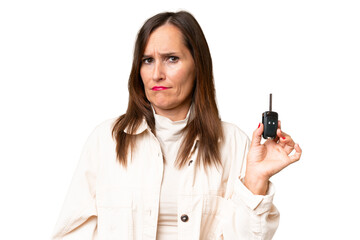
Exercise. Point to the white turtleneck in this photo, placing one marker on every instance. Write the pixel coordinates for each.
(169, 136)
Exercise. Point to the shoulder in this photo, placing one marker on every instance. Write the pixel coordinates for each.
(234, 147)
(234, 137)
(104, 128)
(231, 130)
(106, 124)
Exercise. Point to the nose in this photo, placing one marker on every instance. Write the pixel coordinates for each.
(158, 71)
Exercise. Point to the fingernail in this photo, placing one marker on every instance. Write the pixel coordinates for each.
(259, 125)
(283, 138)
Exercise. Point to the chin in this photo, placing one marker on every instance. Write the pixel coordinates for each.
(161, 102)
(163, 105)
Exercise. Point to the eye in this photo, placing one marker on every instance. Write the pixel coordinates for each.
(147, 60)
(173, 59)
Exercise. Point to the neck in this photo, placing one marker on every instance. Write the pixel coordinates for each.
(174, 114)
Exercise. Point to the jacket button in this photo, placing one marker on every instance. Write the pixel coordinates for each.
(184, 218)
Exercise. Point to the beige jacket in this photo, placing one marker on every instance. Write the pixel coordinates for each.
(106, 201)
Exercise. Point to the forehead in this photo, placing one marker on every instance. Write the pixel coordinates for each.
(165, 38)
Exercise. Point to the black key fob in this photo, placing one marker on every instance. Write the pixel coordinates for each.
(270, 121)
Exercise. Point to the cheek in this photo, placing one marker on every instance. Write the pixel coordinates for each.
(145, 82)
(143, 75)
(186, 83)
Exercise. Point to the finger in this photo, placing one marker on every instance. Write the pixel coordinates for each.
(296, 156)
(286, 142)
(279, 127)
(256, 137)
(285, 138)
(280, 137)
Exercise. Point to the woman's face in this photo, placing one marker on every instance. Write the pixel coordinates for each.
(167, 71)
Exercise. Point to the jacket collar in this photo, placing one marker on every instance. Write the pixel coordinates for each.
(142, 127)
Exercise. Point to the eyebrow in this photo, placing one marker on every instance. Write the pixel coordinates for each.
(162, 54)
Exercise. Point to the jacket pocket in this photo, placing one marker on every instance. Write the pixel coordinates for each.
(115, 215)
(211, 222)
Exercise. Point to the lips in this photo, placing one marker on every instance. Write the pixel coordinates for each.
(159, 88)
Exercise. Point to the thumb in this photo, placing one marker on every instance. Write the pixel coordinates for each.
(256, 137)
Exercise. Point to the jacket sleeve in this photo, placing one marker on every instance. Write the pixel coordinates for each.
(78, 217)
(247, 216)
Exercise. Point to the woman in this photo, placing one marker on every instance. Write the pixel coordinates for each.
(169, 168)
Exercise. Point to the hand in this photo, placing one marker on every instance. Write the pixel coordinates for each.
(265, 160)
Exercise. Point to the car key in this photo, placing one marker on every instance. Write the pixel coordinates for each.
(270, 121)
